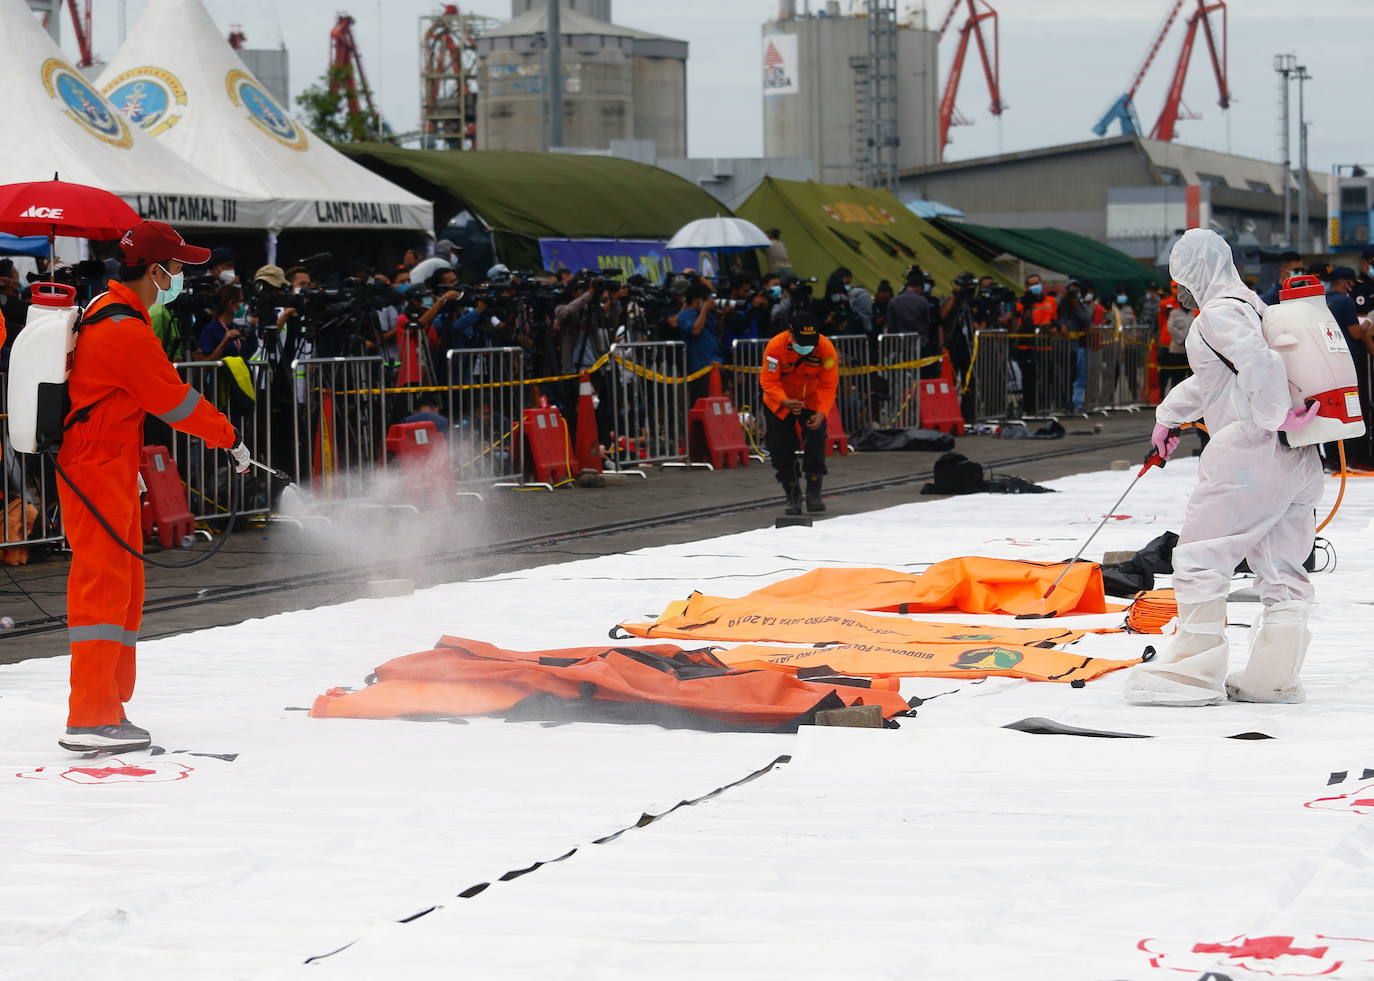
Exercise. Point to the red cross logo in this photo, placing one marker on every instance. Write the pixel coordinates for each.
(1263, 948)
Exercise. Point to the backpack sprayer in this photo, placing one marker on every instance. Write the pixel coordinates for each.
(1316, 359)
(40, 363)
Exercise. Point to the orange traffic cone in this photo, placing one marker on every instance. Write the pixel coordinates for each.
(715, 391)
(587, 444)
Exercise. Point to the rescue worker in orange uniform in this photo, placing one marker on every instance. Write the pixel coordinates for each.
(799, 377)
(119, 375)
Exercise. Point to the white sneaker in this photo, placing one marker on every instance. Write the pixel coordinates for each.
(120, 738)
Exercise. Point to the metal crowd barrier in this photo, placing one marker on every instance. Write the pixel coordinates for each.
(649, 402)
(208, 472)
(1047, 389)
(486, 394)
(854, 398)
(1134, 360)
(895, 393)
(1104, 366)
(993, 376)
(338, 424)
(29, 494)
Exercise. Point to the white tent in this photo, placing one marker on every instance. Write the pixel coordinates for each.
(58, 123)
(177, 79)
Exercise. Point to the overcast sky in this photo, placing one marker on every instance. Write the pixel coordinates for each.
(1060, 70)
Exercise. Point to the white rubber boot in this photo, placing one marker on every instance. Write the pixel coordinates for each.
(1192, 670)
(1277, 651)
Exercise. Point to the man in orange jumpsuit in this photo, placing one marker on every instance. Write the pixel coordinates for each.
(119, 375)
(799, 378)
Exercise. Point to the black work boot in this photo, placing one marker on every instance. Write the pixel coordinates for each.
(813, 493)
(794, 498)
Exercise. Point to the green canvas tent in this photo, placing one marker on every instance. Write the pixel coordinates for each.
(523, 197)
(868, 231)
(1058, 251)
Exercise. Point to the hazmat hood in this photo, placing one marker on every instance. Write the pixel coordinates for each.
(59, 123)
(178, 81)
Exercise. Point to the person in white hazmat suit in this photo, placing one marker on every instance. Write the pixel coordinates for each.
(1255, 498)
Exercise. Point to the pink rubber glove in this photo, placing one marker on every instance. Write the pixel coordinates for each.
(1299, 418)
(1164, 440)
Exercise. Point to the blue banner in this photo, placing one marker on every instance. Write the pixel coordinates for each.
(647, 258)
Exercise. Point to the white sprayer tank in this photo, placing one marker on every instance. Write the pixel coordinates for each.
(1318, 362)
(40, 361)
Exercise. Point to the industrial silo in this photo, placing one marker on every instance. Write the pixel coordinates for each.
(618, 83)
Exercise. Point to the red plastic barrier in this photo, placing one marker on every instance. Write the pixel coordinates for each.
(421, 457)
(940, 405)
(166, 503)
(714, 434)
(836, 440)
(548, 459)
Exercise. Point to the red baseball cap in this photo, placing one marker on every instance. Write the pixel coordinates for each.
(156, 241)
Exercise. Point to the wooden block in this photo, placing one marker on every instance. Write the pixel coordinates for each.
(853, 717)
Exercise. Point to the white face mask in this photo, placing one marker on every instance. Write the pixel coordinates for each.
(227, 277)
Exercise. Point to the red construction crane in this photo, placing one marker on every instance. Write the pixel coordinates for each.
(448, 75)
(346, 72)
(978, 12)
(1123, 109)
(1168, 116)
(81, 24)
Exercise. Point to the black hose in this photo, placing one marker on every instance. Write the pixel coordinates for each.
(214, 549)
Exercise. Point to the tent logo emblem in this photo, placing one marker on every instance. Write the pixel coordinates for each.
(38, 211)
(272, 119)
(84, 104)
(987, 659)
(150, 98)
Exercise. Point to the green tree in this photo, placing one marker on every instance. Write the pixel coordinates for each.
(324, 107)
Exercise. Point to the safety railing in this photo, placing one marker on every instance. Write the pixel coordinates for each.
(1133, 374)
(1047, 374)
(648, 403)
(993, 377)
(1104, 365)
(853, 396)
(208, 473)
(338, 422)
(486, 394)
(29, 498)
(895, 392)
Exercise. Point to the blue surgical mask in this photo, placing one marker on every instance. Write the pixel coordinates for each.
(1122, 299)
(1036, 290)
(847, 287)
(776, 292)
(803, 349)
(173, 290)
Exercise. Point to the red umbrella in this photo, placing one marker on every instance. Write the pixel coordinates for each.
(55, 208)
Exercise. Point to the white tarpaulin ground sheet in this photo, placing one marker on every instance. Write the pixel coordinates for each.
(949, 848)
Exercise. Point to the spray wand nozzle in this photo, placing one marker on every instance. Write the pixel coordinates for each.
(281, 475)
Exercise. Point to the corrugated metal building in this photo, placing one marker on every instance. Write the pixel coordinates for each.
(1130, 192)
(618, 83)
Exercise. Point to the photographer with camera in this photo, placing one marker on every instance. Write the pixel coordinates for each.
(220, 335)
(796, 297)
(696, 322)
(956, 317)
(583, 325)
(440, 320)
(910, 313)
(837, 313)
(744, 312)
